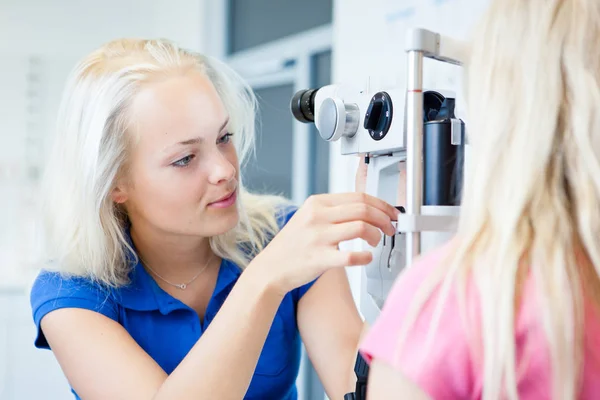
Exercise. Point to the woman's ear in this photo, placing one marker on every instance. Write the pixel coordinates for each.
(119, 193)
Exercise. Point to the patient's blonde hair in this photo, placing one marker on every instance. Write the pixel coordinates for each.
(83, 229)
(532, 199)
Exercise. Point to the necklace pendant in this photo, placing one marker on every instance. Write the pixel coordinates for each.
(182, 286)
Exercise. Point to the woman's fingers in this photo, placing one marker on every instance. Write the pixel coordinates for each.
(334, 199)
(361, 212)
(352, 230)
(341, 259)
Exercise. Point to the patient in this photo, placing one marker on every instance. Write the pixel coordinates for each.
(509, 308)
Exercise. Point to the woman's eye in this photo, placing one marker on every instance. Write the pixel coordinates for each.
(184, 162)
(226, 138)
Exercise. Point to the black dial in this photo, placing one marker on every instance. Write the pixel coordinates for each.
(378, 117)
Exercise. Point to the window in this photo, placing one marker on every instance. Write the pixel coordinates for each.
(255, 22)
(271, 170)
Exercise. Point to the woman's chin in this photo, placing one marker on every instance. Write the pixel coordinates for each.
(221, 223)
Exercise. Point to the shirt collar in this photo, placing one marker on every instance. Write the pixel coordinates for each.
(228, 275)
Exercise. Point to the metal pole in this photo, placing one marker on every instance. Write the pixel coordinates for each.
(414, 148)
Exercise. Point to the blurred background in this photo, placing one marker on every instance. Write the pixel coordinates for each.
(279, 46)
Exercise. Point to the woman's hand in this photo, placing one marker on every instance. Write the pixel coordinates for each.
(307, 246)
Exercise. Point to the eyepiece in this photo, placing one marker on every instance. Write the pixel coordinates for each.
(303, 105)
(432, 103)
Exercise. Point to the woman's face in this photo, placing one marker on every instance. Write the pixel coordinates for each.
(183, 162)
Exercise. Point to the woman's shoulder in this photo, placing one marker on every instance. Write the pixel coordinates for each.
(52, 290)
(51, 284)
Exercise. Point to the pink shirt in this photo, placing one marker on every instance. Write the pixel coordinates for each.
(450, 371)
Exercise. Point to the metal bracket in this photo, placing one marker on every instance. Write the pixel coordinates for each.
(426, 223)
(436, 46)
(456, 131)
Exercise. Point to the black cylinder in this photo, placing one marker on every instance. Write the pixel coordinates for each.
(303, 105)
(442, 164)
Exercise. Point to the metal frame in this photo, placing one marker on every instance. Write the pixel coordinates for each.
(262, 81)
(421, 43)
(282, 50)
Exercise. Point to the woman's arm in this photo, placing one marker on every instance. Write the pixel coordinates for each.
(102, 361)
(331, 329)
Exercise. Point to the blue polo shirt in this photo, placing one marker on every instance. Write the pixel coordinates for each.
(150, 315)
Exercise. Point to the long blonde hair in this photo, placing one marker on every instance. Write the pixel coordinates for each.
(83, 231)
(532, 199)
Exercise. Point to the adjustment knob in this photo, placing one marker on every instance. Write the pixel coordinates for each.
(378, 117)
(336, 119)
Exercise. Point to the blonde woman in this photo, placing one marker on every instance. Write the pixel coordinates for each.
(166, 279)
(510, 308)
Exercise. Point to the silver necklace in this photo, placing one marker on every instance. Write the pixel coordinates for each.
(181, 286)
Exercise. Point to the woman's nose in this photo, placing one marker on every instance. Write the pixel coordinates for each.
(221, 170)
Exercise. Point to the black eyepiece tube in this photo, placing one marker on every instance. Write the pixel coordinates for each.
(442, 160)
(303, 105)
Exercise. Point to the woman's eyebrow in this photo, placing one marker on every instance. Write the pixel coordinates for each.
(197, 139)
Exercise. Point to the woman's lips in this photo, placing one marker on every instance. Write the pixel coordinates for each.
(226, 202)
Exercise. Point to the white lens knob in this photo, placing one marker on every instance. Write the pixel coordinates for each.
(336, 119)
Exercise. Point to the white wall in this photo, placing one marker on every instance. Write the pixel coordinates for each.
(74, 27)
(369, 43)
(41, 41)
